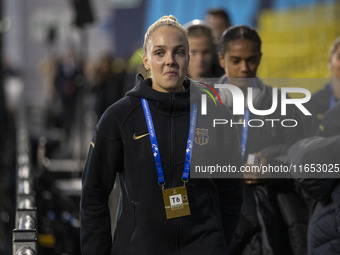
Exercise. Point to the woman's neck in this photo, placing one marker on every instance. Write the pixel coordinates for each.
(169, 90)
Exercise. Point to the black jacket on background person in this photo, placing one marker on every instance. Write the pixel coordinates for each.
(322, 193)
(318, 105)
(272, 139)
(330, 126)
(107, 92)
(324, 225)
(273, 219)
(118, 146)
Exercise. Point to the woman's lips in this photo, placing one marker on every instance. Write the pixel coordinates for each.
(171, 73)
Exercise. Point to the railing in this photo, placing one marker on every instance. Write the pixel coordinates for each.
(25, 232)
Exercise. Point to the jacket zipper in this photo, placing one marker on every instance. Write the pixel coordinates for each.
(172, 157)
(172, 165)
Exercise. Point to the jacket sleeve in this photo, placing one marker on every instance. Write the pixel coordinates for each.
(336, 201)
(316, 151)
(105, 158)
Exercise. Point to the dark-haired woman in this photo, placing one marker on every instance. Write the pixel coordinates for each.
(203, 51)
(270, 205)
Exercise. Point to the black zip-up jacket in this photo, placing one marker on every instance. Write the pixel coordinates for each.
(330, 125)
(118, 146)
(271, 213)
(272, 139)
(324, 225)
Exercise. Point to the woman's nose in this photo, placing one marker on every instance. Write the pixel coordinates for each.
(170, 59)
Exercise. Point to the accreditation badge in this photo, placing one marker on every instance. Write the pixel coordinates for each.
(176, 202)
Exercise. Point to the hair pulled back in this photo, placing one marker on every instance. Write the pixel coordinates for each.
(163, 21)
(239, 32)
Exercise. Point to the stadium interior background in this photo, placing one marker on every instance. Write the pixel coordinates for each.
(42, 159)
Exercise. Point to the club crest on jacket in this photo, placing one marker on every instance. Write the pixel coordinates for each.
(201, 136)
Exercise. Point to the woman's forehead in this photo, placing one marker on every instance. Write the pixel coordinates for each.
(167, 35)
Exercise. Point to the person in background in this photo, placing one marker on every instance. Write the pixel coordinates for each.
(68, 80)
(203, 53)
(219, 20)
(320, 155)
(330, 125)
(10, 96)
(320, 148)
(134, 65)
(108, 86)
(147, 138)
(5, 169)
(3, 111)
(270, 205)
(326, 98)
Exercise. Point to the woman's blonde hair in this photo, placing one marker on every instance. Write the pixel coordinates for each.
(163, 21)
(334, 46)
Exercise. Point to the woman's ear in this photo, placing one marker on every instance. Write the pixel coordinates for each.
(329, 64)
(146, 62)
(221, 60)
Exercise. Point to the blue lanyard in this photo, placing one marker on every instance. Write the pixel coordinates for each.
(154, 144)
(331, 96)
(244, 136)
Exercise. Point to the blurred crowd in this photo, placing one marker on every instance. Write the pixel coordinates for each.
(293, 216)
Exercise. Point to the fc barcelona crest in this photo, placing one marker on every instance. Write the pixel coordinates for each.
(201, 136)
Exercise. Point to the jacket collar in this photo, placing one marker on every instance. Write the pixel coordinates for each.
(164, 102)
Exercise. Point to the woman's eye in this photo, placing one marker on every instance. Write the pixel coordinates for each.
(253, 60)
(159, 53)
(180, 52)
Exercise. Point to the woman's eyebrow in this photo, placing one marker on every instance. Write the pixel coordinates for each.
(165, 46)
(159, 46)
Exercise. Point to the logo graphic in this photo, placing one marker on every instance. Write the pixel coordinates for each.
(135, 137)
(245, 105)
(239, 105)
(201, 136)
(189, 147)
(155, 149)
(204, 97)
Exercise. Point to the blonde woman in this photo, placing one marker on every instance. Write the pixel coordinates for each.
(145, 138)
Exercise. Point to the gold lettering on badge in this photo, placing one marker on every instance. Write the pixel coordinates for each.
(176, 202)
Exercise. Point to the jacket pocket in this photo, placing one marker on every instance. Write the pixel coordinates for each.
(125, 229)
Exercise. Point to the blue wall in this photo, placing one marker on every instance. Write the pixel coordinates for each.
(241, 12)
(137, 20)
(285, 4)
